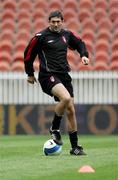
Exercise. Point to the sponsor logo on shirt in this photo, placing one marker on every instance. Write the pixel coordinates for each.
(52, 78)
(50, 41)
(64, 39)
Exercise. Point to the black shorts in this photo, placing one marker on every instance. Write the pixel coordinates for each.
(49, 80)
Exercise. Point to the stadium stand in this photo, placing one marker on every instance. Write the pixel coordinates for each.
(42, 5)
(102, 45)
(100, 4)
(70, 15)
(5, 57)
(72, 25)
(55, 5)
(88, 34)
(104, 34)
(6, 46)
(101, 65)
(8, 25)
(113, 4)
(26, 5)
(85, 4)
(99, 14)
(95, 21)
(102, 56)
(114, 66)
(17, 66)
(8, 4)
(105, 23)
(8, 14)
(4, 66)
(89, 23)
(84, 14)
(73, 5)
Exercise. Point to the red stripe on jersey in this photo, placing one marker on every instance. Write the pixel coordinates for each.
(76, 35)
(32, 44)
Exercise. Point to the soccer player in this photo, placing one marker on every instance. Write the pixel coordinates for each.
(51, 46)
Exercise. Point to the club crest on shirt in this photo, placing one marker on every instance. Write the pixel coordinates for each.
(64, 39)
(52, 78)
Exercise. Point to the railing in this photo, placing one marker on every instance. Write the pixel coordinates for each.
(89, 88)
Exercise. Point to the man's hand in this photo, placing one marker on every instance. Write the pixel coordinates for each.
(85, 60)
(31, 79)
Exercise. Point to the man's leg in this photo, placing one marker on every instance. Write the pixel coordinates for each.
(64, 98)
(72, 129)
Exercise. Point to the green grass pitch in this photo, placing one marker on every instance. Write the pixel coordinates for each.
(21, 158)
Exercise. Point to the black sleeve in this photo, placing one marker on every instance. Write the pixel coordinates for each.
(76, 43)
(30, 54)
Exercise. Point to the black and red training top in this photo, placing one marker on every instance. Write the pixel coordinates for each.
(51, 48)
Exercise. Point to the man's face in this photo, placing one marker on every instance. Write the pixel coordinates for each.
(55, 24)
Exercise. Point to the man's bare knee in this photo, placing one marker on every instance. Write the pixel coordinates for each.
(66, 100)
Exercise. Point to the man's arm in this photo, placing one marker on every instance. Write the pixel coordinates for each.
(30, 54)
(76, 43)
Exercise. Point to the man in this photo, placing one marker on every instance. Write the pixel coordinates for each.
(51, 47)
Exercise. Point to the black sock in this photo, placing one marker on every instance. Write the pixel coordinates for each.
(73, 139)
(56, 122)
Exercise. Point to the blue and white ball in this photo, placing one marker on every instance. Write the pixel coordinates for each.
(50, 148)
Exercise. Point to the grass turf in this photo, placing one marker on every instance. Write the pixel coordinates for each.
(21, 158)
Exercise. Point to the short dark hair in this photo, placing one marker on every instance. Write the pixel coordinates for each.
(55, 14)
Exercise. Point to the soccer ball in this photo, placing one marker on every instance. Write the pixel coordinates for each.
(51, 148)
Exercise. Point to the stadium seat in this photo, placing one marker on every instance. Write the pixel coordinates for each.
(102, 56)
(115, 34)
(101, 66)
(25, 25)
(5, 56)
(88, 34)
(26, 5)
(86, 4)
(8, 14)
(7, 35)
(115, 25)
(105, 23)
(4, 66)
(114, 56)
(23, 14)
(104, 34)
(8, 25)
(17, 66)
(89, 45)
(20, 46)
(100, 4)
(8, 4)
(39, 25)
(38, 15)
(113, 4)
(71, 5)
(99, 14)
(84, 14)
(18, 56)
(102, 45)
(113, 14)
(54, 5)
(42, 5)
(73, 25)
(114, 66)
(70, 14)
(22, 35)
(115, 45)
(7, 46)
(89, 23)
